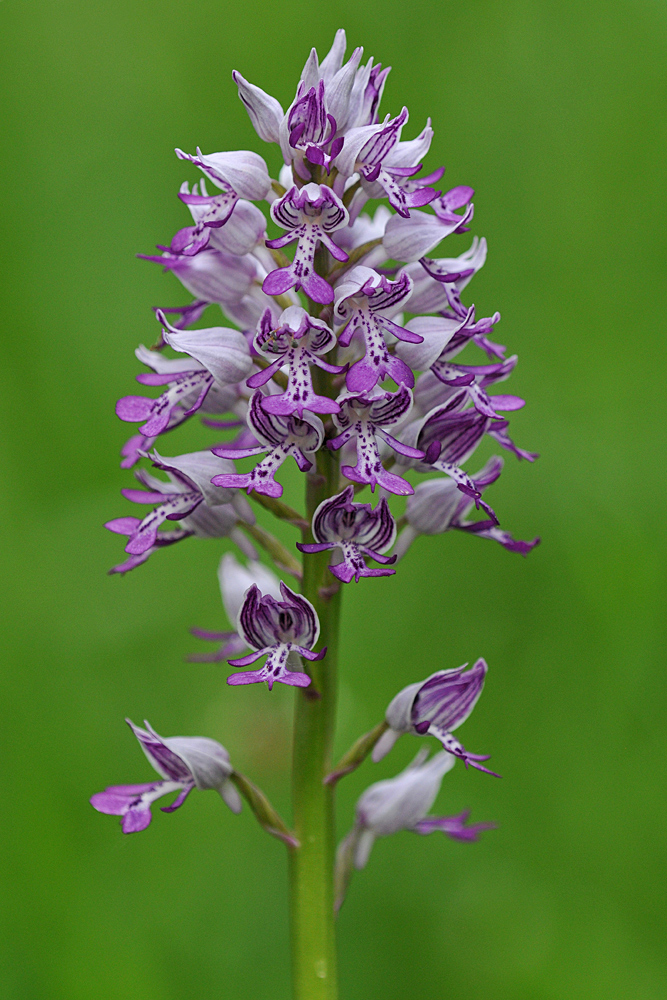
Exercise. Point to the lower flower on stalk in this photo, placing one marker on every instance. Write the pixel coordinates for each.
(184, 763)
(435, 707)
(400, 803)
(356, 532)
(285, 630)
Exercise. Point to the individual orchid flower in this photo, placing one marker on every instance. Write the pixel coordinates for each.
(239, 174)
(232, 399)
(365, 417)
(373, 152)
(285, 630)
(309, 129)
(435, 707)
(400, 803)
(221, 357)
(352, 91)
(437, 506)
(475, 379)
(352, 94)
(310, 215)
(415, 236)
(184, 763)
(189, 498)
(237, 234)
(357, 531)
(445, 336)
(449, 434)
(280, 436)
(235, 579)
(363, 301)
(296, 342)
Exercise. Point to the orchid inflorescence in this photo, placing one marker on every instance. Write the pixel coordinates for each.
(345, 357)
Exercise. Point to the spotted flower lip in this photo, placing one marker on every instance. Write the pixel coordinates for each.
(365, 301)
(184, 763)
(358, 533)
(435, 707)
(285, 630)
(310, 215)
(280, 436)
(297, 341)
(364, 417)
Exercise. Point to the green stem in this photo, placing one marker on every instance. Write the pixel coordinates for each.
(281, 556)
(312, 864)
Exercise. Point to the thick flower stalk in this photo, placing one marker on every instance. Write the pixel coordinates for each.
(346, 345)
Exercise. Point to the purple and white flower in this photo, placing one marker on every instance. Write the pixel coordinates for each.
(238, 174)
(184, 763)
(280, 437)
(402, 803)
(358, 533)
(386, 166)
(435, 707)
(434, 278)
(447, 436)
(283, 631)
(220, 357)
(310, 215)
(187, 497)
(235, 579)
(232, 399)
(365, 301)
(237, 234)
(297, 343)
(364, 417)
(347, 93)
(211, 275)
(437, 506)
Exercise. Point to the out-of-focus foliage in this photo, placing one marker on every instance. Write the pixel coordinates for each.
(554, 112)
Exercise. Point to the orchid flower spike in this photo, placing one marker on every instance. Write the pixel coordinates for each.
(235, 579)
(285, 630)
(435, 707)
(184, 763)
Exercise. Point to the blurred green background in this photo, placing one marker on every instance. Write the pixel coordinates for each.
(555, 113)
